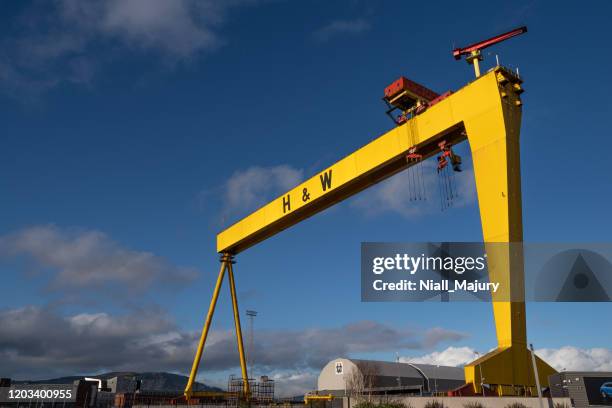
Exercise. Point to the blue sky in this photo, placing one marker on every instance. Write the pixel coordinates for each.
(132, 132)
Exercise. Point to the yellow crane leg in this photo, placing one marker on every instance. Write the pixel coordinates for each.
(494, 142)
(211, 310)
(243, 366)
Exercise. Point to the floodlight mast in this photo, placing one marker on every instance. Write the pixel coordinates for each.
(472, 51)
(251, 314)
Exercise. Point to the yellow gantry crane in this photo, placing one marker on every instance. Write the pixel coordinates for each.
(486, 113)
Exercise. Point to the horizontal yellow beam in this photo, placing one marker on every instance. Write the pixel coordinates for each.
(310, 398)
(370, 164)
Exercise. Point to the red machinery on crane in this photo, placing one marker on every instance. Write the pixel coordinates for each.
(408, 97)
(472, 51)
(411, 98)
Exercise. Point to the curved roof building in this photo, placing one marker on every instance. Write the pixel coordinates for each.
(384, 377)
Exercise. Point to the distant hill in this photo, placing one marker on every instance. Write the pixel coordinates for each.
(152, 381)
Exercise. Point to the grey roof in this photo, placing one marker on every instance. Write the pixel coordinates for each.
(392, 369)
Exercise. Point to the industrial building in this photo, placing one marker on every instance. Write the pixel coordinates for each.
(344, 376)
(584, 388)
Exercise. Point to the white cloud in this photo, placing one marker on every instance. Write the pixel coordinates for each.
(415, 191)
(67, 41)
(150, 341)
(78, 259)
(248, 189)
(451, 356)
(565, 358)
(574, 358)
(438, 334)
(179, 28)
(338, 27)
(37, 343)
(290, 384)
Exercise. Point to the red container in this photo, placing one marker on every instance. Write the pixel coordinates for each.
(415, 90)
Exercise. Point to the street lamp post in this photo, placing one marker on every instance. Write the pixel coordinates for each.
(536, 375)
(436, 378)
(251, 355)
(481, 377)
(399, 379)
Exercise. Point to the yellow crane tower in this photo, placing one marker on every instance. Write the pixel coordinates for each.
(486, 113)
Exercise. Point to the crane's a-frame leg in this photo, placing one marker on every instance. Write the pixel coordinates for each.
(211, 311)
(226, 264)
(243, 365)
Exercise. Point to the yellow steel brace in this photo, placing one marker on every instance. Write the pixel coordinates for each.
(243, 366)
